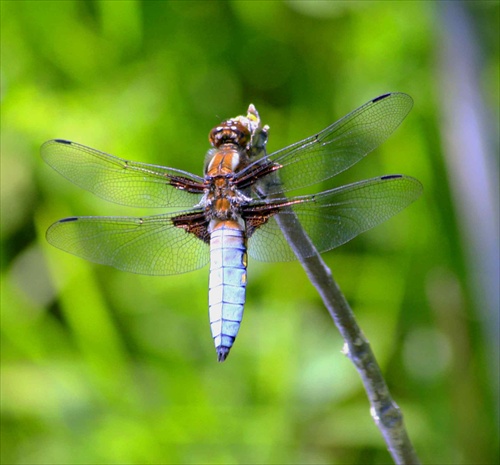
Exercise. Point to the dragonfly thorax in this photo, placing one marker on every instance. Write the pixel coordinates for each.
(223, 201)
(225, 161)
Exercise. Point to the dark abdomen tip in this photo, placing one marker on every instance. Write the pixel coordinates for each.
(222, 353)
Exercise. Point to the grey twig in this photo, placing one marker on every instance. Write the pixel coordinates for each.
(384, 410)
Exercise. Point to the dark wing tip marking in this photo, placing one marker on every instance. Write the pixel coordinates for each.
(63, 141)
(67, 220)
(391, 176)
(380, 97)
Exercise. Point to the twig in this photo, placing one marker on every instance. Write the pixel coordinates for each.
(384, 410)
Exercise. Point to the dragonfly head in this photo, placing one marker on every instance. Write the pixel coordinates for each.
(232, 131)
(244, 131)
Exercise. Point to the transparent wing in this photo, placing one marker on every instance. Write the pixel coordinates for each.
(334, 217)
(121, 181)
(337, 147)
(151, 245)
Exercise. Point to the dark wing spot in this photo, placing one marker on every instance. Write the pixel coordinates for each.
(391, 176)
(67, 220)
(62, 141)
(380, 97)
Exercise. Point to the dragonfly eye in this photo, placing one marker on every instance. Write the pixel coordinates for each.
(229, 132)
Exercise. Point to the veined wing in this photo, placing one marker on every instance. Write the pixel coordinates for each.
(334, 217)
(121, 181)
(337, 147)
(151, 245)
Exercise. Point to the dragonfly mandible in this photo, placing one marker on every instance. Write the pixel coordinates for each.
(235, 206)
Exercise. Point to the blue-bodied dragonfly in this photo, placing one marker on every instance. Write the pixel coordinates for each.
(235, 206)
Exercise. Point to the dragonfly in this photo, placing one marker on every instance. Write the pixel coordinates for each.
(236, 206)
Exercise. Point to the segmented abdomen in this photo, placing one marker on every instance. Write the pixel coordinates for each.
(227, 284)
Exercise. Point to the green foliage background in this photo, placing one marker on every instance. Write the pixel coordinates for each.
(101, 366)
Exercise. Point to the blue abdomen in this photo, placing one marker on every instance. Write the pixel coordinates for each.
(228, 279)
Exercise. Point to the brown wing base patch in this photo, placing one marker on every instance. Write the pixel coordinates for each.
(194, 223)
(258, 215)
